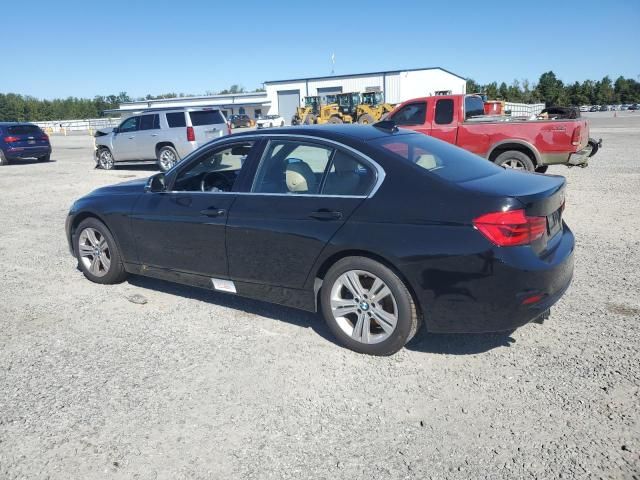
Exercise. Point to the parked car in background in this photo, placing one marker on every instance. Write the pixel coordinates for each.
(270, 121)
(604, 108)
(516, 143)
(20, 141)
(239, 120)
(585, 108)
(162, 135)
(378, 228)
(594, 108)
(634, 107)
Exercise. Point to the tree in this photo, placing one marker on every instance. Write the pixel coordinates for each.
(550, 89)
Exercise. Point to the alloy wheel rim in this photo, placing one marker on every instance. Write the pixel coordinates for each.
(515, 164)
(167, 159)
(94, 252)
(106, 159)
(364, 307)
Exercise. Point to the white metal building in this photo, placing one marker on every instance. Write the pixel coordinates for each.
(284, 96)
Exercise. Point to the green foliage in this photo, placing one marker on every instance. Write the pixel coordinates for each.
(553, 91)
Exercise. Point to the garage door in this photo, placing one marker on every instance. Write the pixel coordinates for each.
(288, 101)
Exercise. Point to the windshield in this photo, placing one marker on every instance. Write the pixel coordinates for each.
(440, 158)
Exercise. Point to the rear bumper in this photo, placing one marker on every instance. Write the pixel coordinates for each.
(17, 153)
(488, 291)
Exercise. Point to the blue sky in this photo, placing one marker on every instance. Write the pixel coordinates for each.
(72, 48)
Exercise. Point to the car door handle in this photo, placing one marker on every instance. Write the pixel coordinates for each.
(326, 215)
(131, 138)
(154, 134)
(213, 212)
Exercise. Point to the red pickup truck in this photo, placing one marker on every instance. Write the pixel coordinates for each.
(517, 143)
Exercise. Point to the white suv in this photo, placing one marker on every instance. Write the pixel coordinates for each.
(163, 135)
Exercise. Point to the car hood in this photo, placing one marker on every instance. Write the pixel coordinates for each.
(132, 186)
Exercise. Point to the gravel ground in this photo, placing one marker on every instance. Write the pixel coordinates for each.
(196, 384)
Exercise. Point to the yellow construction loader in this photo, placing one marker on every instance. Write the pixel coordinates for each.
(372, 108)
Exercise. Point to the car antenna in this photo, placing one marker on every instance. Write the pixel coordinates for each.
(387, 125)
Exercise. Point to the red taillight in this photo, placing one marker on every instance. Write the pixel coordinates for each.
(44, 137)
(191, 135)
(11, 139)
(510, 228)
(575, 138)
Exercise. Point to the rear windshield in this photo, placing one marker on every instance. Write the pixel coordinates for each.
(24, 130)
(440, 158)
(206, 117)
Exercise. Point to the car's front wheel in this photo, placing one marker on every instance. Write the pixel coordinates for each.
(97, 252)
(105, 159)
(3, 159)
(368, 307)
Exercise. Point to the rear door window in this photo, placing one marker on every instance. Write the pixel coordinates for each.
(206, 117)
(150, 122)
(439, 158)
(348, 176)
(24, 130)
(473, 106)
(176, 119)
(444, 111)
(411, 114)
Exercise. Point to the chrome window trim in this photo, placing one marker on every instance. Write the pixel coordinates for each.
(380, 173)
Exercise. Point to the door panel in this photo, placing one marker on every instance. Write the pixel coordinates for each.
(125, 141)
(275, 239)
(183, 231)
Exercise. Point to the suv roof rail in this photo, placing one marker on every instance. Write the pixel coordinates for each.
(386, 125)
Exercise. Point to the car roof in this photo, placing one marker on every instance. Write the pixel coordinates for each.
(346, 131)
(11, 124)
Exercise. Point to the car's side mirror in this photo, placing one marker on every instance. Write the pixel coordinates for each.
(115, 130)
(156, 184)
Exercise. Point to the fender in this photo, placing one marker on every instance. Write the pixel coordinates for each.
(516, 141)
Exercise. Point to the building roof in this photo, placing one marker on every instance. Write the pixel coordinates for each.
(326, 77)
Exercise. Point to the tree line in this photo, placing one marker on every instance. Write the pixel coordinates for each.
(21, 108)
(549, 90)
(554, 92)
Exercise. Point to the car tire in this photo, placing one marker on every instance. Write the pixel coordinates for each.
(516, 160)
(3, 159)
(542, 168)
(335, 120)
(167, 158)
(379, 335)
(366, 119)
(98, 254)
(46, 158)
(105, 159)
(310, 119)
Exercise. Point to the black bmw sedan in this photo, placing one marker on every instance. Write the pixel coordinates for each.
(380, 229)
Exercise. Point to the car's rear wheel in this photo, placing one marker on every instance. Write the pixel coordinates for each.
(516, 160)
(97, 253)
(167, 158)
(105, 159)
(368, 307)
(3, 159)
(46, 158)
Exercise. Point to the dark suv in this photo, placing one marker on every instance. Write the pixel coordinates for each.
(239, 121)
(23, 140)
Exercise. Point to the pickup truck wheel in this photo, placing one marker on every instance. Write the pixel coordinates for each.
(542, 168)
(105, 159)
(516, 160)
(167, 158)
